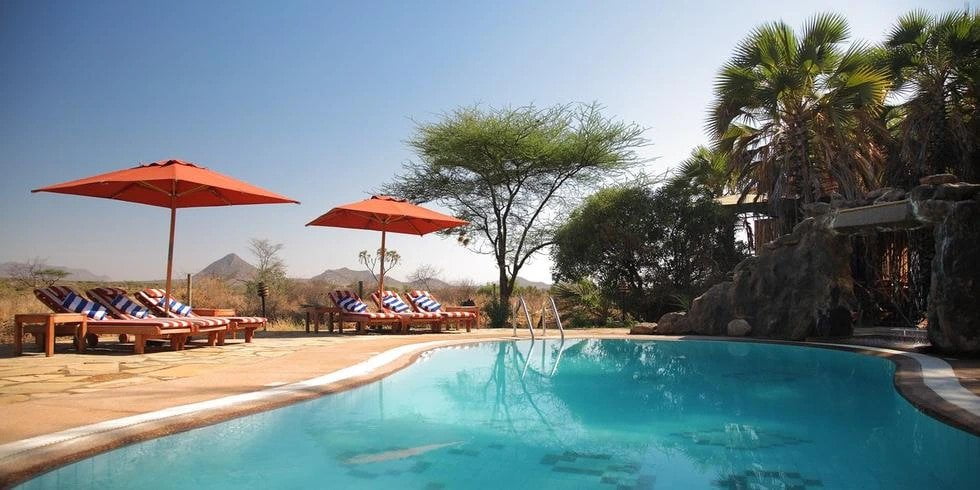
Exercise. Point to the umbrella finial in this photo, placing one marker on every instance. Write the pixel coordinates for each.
(385, 197)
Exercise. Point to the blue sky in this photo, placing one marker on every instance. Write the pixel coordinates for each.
(314, 100)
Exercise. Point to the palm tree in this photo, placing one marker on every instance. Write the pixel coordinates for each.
(708, 169)
(935, 65)
(798, 114)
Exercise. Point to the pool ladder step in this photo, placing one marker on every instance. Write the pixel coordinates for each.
(521, 304)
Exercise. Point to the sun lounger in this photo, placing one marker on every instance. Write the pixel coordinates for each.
(116, 300)
(393, 303)
(152, 298)
(176, 330)
(352, 309)
(424, 301)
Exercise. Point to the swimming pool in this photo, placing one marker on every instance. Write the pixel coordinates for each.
(615, 414)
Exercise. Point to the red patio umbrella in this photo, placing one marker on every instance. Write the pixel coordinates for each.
(170, 184)
(387, 214)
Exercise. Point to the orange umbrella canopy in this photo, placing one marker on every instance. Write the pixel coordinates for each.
(388, 214)
(169, 183)
(384, 214)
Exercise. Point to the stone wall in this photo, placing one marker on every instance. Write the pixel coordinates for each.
(954, 294)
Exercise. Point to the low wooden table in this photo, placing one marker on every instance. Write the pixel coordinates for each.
(214, 311)
(50, 325)
(315, 313)
(472, 309)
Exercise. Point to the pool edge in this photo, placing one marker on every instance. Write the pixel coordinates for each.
(917, 378)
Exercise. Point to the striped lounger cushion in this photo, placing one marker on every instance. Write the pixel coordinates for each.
(78, 304)
(426, 303)
(129, 307)
(394, 303)
(350, 303)
(176, 307)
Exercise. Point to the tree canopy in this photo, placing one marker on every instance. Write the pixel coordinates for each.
(797, 112)
(514, 172)
(664, 245)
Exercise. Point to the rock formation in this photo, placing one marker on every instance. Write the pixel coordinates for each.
(798, 286)
(954, 304)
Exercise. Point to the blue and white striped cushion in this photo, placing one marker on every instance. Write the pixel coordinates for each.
(426, 303)
(78, 304)
(177, 307)
(394, 303)
(129, 307)
(352, 304)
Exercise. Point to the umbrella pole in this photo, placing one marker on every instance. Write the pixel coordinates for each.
(381, 280)
(170, 250)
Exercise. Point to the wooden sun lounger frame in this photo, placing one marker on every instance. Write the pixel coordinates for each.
(468, 319)
(412, 317)
(235, 324)
(104, 296)
(364, 319)
(142, 330)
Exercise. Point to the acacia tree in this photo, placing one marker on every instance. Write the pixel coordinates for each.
(661, 246)
(513, 173)
(371, 261)
(271, 272)
(35, 273)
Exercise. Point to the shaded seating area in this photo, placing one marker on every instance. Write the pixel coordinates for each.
(142, 329)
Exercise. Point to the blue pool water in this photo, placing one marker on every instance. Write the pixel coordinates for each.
(613, 414)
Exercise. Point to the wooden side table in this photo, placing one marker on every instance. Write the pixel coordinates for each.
(316, 314)
(472, 309)
(214, 311)
(50, 325)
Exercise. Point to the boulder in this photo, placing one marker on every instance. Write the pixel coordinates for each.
(738, 328)
(890, 195)
(644, 328)
(674, 323)
(954, 309)
(939, 179)
(798, 289)
(710, 312)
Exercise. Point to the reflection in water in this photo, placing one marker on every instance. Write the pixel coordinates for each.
(579, 414)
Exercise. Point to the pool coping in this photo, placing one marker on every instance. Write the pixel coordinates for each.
(927, 382)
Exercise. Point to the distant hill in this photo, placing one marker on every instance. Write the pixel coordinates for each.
(345, 276)
(524, 283)
(230, 266)
(7, 269)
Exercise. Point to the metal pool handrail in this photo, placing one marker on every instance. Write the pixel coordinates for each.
(554, 309)
(527, 314)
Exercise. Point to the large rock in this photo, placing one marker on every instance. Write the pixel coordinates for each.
(954, 302)
(711, 312)
(644, 328)
(674, 323)
(738, 328)
(799, 287)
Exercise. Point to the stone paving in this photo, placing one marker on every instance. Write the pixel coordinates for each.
(33, 376)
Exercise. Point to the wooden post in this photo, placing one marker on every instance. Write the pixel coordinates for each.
(360, 288)
(381, 277)
(190, 291)
(170, 247)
